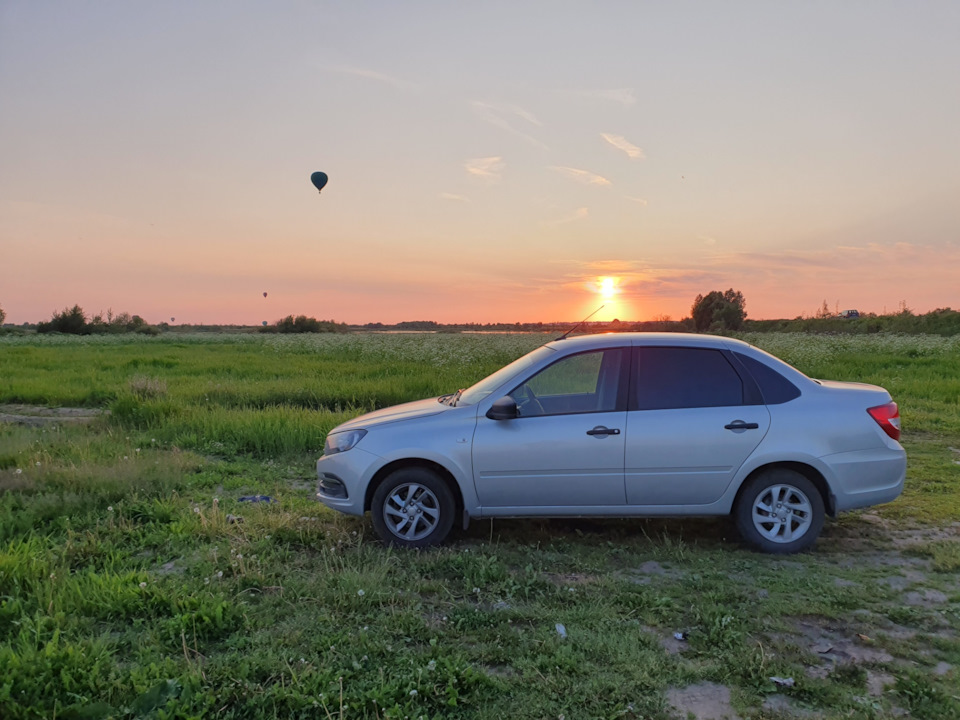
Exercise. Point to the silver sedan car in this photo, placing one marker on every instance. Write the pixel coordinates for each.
(623, 425)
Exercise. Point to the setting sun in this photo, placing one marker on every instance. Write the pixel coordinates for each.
(607, 288)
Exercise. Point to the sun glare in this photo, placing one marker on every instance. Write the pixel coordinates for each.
(607, 287)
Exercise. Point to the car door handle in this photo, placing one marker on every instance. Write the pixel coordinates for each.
(601, 430)
(741, 425)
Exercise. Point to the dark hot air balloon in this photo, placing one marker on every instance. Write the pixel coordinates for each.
(172, 319)
(264, 294)
(319, 179)
(264, 323)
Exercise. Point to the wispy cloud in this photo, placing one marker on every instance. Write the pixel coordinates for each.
(638, 200)
(621, 143)
(578, 214)
(374, 75)
(488, 168)
(624, 96)
(456, 198)
(584, 176)
(499, 116)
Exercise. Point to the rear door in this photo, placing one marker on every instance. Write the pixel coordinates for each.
(692, 422)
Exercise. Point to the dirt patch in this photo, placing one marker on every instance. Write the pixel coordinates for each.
(667, 641)
(34, 416)
(570, 579)
(784, 706)
(835, 644)
(644, 574)
(877, 682)
(925, 599)
(705, 701)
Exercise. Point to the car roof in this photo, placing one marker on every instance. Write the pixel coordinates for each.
(586, 342)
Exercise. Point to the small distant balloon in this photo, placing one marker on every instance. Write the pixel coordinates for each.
(264, 323)
(173, 319)
(264, 294)
(319, 179)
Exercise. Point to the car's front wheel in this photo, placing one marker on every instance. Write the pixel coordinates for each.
(413, 507)
(779, 511)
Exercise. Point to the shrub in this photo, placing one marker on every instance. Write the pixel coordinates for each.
(304, 324)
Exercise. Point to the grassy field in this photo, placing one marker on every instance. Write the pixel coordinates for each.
(135, 583)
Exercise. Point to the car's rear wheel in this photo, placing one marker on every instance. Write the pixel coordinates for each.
(779, 511)
(413, 507)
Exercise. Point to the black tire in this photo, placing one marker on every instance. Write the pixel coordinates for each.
(413, 508)
(786, 503)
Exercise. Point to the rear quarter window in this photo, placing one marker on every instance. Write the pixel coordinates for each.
(774, 387)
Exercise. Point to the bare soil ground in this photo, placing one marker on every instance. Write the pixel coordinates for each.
(35, 416)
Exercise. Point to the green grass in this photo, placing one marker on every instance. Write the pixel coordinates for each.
(130, 586)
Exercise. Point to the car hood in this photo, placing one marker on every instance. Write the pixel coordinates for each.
(406, 411)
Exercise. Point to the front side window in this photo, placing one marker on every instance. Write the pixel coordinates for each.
(668, 378)
(582, 383)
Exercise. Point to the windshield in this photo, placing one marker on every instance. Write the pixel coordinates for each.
(478, 392)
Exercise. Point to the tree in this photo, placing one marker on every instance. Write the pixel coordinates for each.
(72, 320)
(3, 316)
(719, 311)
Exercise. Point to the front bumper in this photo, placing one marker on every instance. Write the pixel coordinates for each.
(342, 479)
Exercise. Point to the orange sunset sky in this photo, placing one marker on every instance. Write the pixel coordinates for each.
(488, 162)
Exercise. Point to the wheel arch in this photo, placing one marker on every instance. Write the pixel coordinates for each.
(808, 471)
(435, 467)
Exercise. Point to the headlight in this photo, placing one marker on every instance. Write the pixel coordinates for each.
(342, 441)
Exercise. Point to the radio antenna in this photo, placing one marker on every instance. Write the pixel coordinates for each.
(563, 337)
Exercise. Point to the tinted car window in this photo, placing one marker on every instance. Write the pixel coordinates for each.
(774, 387)
(586, 382)
(666, 378)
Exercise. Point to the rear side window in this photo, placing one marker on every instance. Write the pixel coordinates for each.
(666, 378)
(774, 387)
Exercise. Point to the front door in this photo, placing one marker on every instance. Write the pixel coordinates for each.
(566, 448)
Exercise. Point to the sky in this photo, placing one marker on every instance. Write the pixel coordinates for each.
(488, 162)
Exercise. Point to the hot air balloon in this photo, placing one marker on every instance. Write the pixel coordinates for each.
(264, 323)
(172, 319)
(319, 179)
(264, 294)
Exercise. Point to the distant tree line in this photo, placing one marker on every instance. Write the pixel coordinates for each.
(74, 321)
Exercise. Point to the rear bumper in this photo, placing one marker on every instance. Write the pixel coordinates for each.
(866, 477)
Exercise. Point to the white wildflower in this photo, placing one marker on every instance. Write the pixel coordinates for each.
(361, 593)
(143, 585)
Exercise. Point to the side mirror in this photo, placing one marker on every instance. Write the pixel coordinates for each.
(503, 409)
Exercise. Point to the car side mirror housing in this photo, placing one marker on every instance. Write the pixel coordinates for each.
(503, 409)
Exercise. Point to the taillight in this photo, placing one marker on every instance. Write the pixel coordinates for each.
(887, 417)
